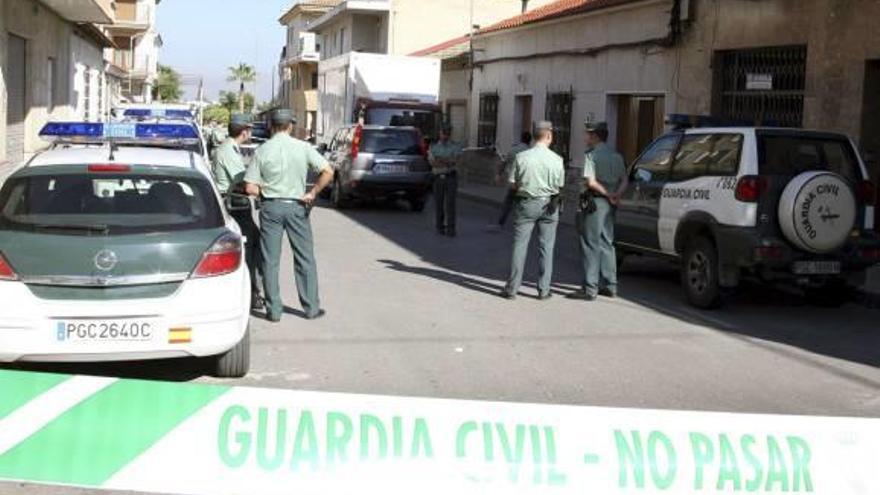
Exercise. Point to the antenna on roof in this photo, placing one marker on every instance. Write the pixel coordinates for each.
(113, 149)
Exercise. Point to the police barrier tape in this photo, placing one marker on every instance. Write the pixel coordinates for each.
(206, 439)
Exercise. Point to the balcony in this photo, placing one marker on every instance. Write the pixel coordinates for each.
(366, 7)
(130, 20)
(95, 11)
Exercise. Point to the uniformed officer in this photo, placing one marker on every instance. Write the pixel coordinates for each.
(525, 142)
(278, 175)
(537, 179)
(229, 173)
(605, 176)
(215, 138)
(444, 155)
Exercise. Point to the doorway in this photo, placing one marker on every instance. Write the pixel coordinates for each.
(870, 136)
(522, 116)
(637, 121)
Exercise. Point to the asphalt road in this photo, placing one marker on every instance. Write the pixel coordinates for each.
(414, 314)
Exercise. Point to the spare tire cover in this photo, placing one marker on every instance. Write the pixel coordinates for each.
(817, 211)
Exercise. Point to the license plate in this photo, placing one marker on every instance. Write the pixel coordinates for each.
(816, 267)
(104, 330)
(391, 169)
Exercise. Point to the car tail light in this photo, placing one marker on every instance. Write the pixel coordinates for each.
(356, 141)
(109, 167)
(867, 192)
(750, 188)
(423, 146)
(768, 252)
(6, 271)
(870, 253)
(222, 258)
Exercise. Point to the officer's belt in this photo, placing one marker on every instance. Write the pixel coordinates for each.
(282, 200)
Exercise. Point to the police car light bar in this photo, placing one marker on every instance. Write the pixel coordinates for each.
(90, 131)
(158, 112)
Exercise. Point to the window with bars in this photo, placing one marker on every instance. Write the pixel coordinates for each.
(487, 128)
(761, 85)
(87, 94)
(559, 112)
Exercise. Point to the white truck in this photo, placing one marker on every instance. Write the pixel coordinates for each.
(379, 90)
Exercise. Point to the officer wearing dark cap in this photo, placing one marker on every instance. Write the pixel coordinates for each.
(605, 176)
(443, 157)
(536, 180)
(278, 175)
(229, 173)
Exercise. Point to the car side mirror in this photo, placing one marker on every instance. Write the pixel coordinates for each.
(641, 175)
(237, 202)
(322, 148)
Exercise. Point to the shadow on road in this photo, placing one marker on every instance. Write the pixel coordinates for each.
(170, 370)
(778, 320)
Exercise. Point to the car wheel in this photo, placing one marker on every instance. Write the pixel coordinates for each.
(833, 294)
(337, 196)
(236, 361)
(699, 273)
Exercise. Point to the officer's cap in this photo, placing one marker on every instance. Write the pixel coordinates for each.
(241, 120)
(596, 126)
(282, 116)
(544, 125)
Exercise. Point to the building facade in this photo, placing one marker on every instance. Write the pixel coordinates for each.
(299, 63)
(42, 44)
(809, 63)
(135, 58)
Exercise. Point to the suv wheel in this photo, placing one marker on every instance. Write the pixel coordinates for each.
(699, 273)
(235, 362)
(337, 196)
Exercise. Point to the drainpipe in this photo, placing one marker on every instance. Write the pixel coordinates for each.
(525, 6)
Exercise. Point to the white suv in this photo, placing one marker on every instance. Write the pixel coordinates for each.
(781, 205)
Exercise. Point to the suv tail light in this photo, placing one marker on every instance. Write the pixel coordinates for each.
(424, 147)
(222, 258)
(750, 188)
(6, 271)
(867, 192)
(356, 141)
(870, 254)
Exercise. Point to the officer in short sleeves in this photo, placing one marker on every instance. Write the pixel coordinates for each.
(278, 175)
(605, 175)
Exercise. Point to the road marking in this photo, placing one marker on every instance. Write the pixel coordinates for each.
(40, 411)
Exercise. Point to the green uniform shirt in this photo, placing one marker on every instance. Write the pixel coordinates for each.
(537, 173)
(511, 156)
(441, 152)
(606, 166)
(281, 166)
(229, 166)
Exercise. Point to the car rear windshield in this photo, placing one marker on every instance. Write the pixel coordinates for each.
(791, 155)
(83, 204)
(391, 141)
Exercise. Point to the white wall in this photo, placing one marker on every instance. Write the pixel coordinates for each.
(590, 78)
(86, 56)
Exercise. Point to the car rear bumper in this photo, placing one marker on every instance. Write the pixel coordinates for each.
(773, 258)
(367, 184)
(203, 318)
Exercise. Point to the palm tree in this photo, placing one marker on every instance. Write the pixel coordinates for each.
(242, 74)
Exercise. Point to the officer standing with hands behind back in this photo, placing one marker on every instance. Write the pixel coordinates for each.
(536, 179)
(443, 157)
(278, 175)
(229, 173)
(604, 176)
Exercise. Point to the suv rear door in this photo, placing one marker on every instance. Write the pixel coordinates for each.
(639, 211)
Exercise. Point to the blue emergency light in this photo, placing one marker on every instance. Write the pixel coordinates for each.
(89, 131)
(158, 113)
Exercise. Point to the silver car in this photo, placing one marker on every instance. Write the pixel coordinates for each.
(379, 162)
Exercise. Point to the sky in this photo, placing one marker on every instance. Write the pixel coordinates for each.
(206, 37)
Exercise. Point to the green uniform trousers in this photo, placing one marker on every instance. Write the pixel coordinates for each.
(277, 217)
(529, 213)
(597, 248)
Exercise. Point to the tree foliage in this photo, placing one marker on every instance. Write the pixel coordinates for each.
(242, 74)
(167, 86)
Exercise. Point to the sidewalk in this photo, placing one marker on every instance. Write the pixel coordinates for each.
(494, 196)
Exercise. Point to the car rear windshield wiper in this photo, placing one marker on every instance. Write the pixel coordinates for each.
(90, 229)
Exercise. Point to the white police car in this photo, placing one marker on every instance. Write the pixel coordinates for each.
(112, 253)
(779, 205)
